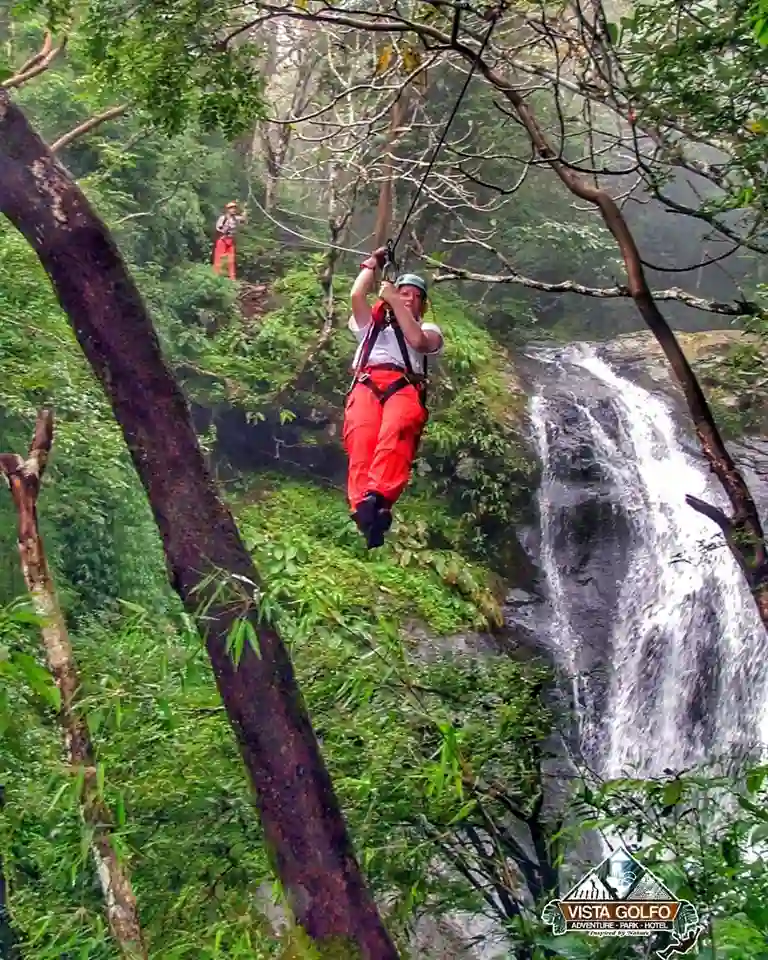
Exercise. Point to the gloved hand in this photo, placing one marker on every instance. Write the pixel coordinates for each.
(387, 292)
(376, 260)
(380, 256)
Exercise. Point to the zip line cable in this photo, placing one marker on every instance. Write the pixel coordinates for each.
(391, 247)
(494, 18)
(301, 236)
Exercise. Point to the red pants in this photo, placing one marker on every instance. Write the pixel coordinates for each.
(224, 248)
(381, 440)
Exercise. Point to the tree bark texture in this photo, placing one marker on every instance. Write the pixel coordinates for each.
(23, 477)
(305, 830)
(384, 209)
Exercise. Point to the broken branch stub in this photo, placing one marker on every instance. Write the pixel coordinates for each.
(23, 477)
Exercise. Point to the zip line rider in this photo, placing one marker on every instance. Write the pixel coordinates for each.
(226, 226)
(386, 411)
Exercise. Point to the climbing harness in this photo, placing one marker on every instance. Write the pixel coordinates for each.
(409, 377)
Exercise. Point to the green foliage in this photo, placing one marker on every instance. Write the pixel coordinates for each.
(189, 304)
(406, 737)
(429, 741)
(759, 18)
(736, 379)
(94, 515)
(703, 833)
(408, 730)
(166, 58)
(312, 557)
(381, 703)
(174, 782)
(699, 69)
(97, 526)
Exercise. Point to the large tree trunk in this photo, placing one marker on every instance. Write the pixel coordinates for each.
(304, 827)
(23, 478)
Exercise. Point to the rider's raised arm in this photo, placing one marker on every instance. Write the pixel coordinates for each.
(363, 285)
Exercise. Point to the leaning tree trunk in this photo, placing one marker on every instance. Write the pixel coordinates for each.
(7, 937)
(208, 564)
(386, 190)
(24, 478)
(743, 530)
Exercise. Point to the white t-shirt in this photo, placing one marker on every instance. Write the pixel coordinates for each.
(227, 224)
(387, 349)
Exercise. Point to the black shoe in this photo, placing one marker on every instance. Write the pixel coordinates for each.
(375, 534)
(382, 521)
(373, 517)
(374, 537)
(365, 514)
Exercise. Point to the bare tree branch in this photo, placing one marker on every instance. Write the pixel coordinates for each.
(23, 478)
(41, 53)
(754, 554)
(620, 291)
(86, 126)
(741, 543)
(36, 65)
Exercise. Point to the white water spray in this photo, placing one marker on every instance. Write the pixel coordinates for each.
(686, 673)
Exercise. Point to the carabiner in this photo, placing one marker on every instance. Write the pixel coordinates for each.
(390, 269)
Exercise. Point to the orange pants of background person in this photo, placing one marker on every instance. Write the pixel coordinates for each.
(224, 248)
(381, 440)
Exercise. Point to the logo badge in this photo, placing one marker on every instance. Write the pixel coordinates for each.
(621, 898)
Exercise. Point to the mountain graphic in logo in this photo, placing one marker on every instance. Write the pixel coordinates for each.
(621, 898)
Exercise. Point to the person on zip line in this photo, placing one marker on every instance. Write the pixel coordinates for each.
(224, 248)
(385, 412)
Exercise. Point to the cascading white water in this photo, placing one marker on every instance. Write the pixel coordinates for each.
(672, 669)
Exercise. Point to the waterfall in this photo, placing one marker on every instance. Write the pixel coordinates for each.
(650, 615)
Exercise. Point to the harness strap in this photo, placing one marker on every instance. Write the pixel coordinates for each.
(399, 384)
(365, 352)
(410, 376)
(370, 341)
(404, 350)
(373, 334)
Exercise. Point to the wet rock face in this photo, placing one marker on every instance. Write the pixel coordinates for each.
(585, 536)
(456, 937)
(578, 507)
(645, 603)
(640, 352)
(738, 400)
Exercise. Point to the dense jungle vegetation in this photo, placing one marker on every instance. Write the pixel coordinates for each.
(444, 740)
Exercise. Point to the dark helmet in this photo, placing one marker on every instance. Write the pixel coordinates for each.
(412, 280)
